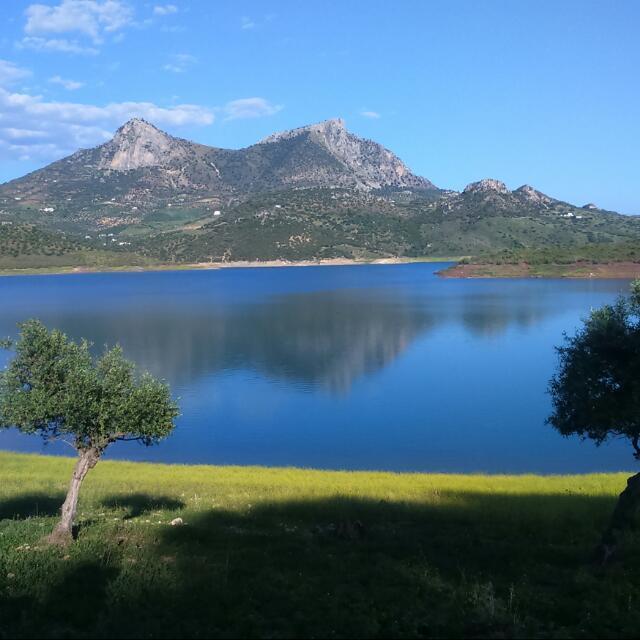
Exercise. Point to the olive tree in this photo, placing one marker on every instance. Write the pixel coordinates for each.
(596, 395)
(55, 388)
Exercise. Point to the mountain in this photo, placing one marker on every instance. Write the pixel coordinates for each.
(142, 170)
(313, 192)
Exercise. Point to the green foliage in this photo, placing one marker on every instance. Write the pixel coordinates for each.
(312, 223)
(55, 388)
(25, 246)
(563, 255)
(596, 392)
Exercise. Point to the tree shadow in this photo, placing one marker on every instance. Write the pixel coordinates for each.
(467, 565)
(138, 504)
(464, 565)
(30, 505)
(72, 604)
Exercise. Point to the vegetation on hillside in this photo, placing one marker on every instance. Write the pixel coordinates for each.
(589, 253)
(608, 259)
(310, 224)
(26, 246)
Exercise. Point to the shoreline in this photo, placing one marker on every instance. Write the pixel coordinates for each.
(206, 266)
(458, 271)
(210, 467)
(580, 270)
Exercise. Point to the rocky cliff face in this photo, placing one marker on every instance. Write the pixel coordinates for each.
(533, 196)
(367, 164)
(143, 169)
(488, 185)
(138, 144)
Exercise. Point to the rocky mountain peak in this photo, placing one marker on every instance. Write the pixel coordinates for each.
(487, 185)
(332, 126)
(369, 164)
(135, 126)
(532, 195)
(137, 143)
(590, 205)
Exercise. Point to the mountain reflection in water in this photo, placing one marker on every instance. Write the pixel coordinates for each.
(325, 338)
(377, 367)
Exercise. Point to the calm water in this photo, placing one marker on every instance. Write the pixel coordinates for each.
(369, 367)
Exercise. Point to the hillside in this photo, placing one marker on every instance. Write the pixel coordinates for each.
(317, 192)
(605, 260)
(289, 553)
(25, 246)
(330, 223)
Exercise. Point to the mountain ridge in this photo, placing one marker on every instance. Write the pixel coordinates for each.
(144, 167)
(315, 192)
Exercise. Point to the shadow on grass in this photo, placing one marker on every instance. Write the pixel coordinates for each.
(76, 596)
(467, 565)
(138, 504)
(31, 505)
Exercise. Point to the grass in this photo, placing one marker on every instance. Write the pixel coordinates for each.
(283, 553)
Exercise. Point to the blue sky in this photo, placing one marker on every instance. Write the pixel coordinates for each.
(545, 93)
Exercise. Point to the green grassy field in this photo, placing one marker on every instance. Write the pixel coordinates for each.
(282, 553)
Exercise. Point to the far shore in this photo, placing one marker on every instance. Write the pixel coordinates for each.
(581, 270)
(457, 270)
(239, 264)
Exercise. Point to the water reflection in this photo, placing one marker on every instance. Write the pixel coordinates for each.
(325, 338)
(362, 367)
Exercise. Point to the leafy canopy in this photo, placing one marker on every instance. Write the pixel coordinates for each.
(596, 392)
(54, 387)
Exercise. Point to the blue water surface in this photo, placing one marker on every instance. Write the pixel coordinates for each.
(345, 367)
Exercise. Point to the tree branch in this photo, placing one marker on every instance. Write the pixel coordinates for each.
(635, 441)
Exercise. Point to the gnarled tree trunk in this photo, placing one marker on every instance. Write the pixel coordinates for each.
(63, 533)
(625, 517)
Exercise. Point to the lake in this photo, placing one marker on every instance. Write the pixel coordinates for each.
(344, 367)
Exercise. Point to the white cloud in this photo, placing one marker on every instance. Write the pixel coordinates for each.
(164, 9)
(249, 108)
(180, 62)
(33, 128)
(10, 72)
(69, 85)
(56, 45)
(374, 115)
(23, 134)
(88, 21)
(247, 23)
(92, 18)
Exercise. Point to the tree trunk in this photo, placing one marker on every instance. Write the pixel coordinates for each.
(625, 517)
(63, 533)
